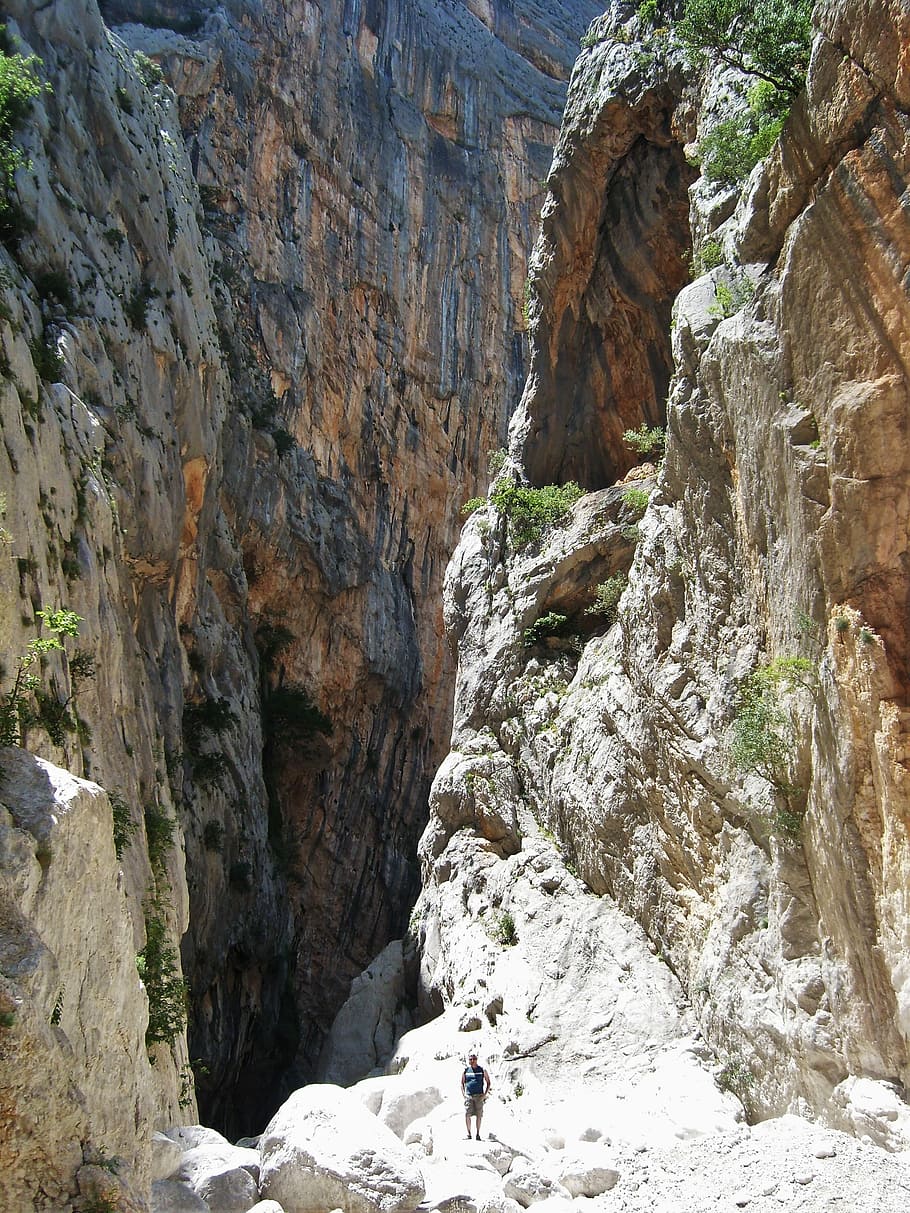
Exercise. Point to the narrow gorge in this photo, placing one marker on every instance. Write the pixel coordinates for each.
(284, 284)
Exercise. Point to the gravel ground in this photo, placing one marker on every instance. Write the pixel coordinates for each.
(780, 1164)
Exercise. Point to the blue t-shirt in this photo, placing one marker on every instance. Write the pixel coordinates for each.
(473, 1080)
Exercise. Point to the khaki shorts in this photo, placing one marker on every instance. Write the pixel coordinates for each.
(473, 1104)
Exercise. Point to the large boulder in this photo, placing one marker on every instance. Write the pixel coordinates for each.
(169, 1196)
(526, 1184)
(225, 1176)
(323, 1150)
(588, 1171)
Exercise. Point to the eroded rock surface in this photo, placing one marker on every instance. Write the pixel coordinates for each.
(776, 531)
(252, 362)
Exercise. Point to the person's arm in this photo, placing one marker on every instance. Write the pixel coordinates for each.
(462, 1082)
(487, 1081)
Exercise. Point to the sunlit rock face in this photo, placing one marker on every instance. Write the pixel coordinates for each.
(289, 302)
(776, 530)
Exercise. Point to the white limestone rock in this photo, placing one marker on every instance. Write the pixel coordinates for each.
(364, 1030)
(527, 1185)
(323, 1150)
(166, 1155)
(169, 1196)
(223, 1175)
(74, 1064)
(873, 1111)
(587, 1172)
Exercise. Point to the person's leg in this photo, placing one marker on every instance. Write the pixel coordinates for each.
(478, 1108)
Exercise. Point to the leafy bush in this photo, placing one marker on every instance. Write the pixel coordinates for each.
(496, 461)
(502, 929)
(646, 440)
(607, 596)
(166, 989)
(271, 639)
(636, 500)
(124, 100)
(241, 875)
(728, 300)
(708, 256)
(732, 149)
(284, 442)
(124, 826)
(209, 768)
(472, 505)
(19, 86)
(136, 308)
(290, 714)
(47, 359)
(531, 512)
(53, 285)
(148, 70)
(213, 836)
(206, 718)
(159, 837)
(762, 741)
(17, 713)
(551, 624)
(647, 12)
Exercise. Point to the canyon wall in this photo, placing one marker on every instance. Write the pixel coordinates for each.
(263, 284)
(723, 751)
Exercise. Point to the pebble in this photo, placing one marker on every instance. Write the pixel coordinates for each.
(826, 1151)
(803, 1177)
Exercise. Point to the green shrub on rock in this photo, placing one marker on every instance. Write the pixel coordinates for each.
(159, 969)
(531, 511)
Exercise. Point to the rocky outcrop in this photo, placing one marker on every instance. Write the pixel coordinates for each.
(252, 364)
(773, 540)
(78, 1090)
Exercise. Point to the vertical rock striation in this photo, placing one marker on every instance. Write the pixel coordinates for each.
(775, 540)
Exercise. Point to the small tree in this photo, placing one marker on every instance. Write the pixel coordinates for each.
(770, 39)
(16, 711)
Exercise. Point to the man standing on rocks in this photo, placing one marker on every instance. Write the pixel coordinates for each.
(475, 1083)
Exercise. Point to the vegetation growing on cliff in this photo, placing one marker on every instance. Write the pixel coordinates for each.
(647, 440)
(19, 86)
(762, 740)
(28, 702)
(159, 969)
(532, 511)
(607, 596)
(770, 39)
(766, 40)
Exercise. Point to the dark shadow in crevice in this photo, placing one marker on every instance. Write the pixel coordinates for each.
(611, 362)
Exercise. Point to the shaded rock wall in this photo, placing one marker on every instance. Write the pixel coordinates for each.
(281, 299)
(775, 531)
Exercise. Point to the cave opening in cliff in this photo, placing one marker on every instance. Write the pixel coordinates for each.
(605, 345)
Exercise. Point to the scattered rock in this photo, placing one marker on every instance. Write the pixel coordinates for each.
(323, 1150)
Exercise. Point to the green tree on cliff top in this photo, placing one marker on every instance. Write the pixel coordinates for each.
(770, 39)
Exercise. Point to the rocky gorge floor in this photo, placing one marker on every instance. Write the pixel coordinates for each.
(603, 1095)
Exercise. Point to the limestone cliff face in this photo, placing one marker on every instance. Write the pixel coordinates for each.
(776, 530)
(253, 362)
